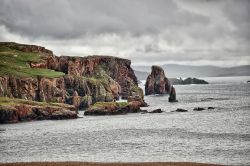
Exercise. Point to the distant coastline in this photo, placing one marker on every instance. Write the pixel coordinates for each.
(177, 71)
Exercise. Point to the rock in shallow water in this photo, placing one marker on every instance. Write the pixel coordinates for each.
(172, 95)
(181, 110)
(198, 109)
(114, 108)
(156, 111)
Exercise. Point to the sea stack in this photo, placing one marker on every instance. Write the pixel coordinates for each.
(158, 83)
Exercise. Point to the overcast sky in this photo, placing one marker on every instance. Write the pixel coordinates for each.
(208, 32)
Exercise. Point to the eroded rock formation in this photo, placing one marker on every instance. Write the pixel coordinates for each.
(158, 83)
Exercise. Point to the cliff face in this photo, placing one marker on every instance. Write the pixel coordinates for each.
(116, 71)
(35, 73)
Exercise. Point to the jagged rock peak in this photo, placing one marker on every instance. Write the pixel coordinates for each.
(158, 83)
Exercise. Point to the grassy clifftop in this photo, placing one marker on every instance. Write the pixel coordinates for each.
(14, 110)
(16, 63)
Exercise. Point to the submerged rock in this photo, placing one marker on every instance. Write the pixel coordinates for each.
(156, 111)
(198, 109)
(181, 110)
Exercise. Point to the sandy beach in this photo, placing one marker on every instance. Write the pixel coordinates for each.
(106, 164)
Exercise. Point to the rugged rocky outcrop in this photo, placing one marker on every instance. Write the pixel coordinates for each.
(34, 73)
(158, 83)
(17, 110)
(113, 108)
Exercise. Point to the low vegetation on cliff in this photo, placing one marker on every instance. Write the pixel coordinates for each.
(16, 63)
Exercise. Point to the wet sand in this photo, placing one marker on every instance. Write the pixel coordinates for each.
(106, 164)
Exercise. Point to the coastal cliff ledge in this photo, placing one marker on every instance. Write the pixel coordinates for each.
(17, 110)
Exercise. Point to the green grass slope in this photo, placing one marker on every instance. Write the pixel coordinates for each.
(15, 63)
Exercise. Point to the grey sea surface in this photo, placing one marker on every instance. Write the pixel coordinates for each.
(221, 135)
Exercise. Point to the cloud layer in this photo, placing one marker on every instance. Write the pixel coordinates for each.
(146, 31)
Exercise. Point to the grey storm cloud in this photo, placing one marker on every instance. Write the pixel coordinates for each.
(157, 31)
(74, 18)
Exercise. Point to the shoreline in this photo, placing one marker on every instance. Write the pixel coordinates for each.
(107, 164)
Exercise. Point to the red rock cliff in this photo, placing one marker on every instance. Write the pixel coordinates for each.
(92, 78)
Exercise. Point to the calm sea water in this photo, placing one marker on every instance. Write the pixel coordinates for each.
(211, 136)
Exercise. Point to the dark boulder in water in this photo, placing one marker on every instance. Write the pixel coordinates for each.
(198, 109)
(156, 111)
(181, 110)
(172, 95)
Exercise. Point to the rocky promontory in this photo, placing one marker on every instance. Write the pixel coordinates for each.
(16, 110)
(113, 108)
(34, 73)
(158, 83)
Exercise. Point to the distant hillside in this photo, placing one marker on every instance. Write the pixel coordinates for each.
(176, 71)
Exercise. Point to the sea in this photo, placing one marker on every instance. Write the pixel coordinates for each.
(219, 136)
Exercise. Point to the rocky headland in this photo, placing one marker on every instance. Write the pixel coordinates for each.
(33, 73)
